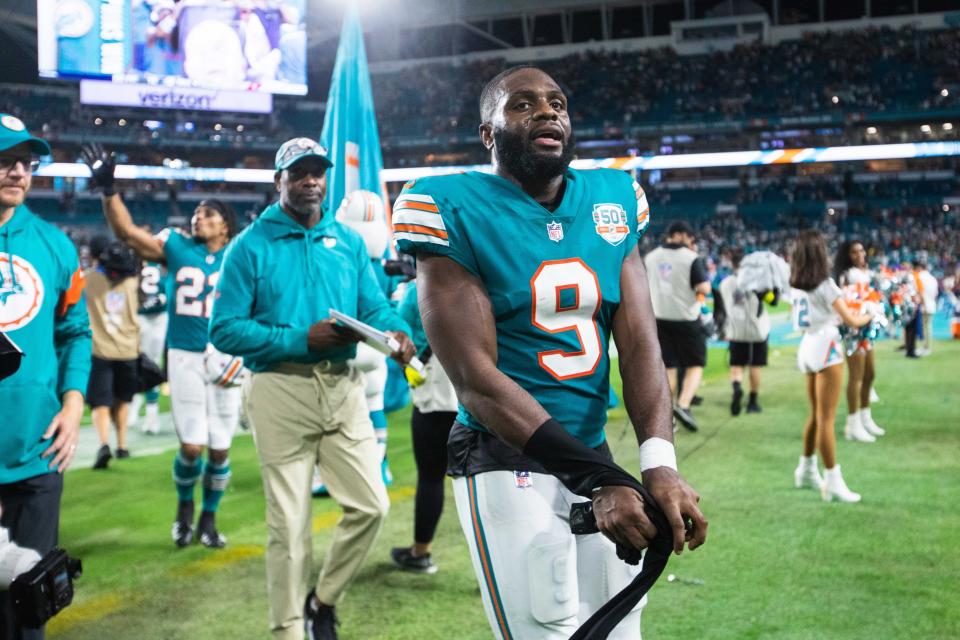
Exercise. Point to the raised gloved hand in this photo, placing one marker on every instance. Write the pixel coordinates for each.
(102, 164)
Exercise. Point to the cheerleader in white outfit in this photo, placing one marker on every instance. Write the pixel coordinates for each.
(852, 272)
(818, 309)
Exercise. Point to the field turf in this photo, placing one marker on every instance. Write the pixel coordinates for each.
(779, 562)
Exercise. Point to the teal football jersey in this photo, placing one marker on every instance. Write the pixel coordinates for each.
(153, 289)
(192, 273)
(553, 277)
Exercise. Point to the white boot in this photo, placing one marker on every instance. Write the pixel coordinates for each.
(133, 413)
(806, 473)
(855, 429)
(872, 427)
(151, 421)
(834, 487)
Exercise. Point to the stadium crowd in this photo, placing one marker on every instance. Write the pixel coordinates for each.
(847, 74)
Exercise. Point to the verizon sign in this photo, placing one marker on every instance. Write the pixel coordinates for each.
(159, 97)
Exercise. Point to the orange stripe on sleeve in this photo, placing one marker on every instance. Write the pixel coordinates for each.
(416, 228)
(420, 206)
(72, 295)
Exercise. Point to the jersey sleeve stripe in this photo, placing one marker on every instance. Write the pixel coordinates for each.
(416, 197)
(420, 237)
(417, 228)
(405, 203)
(407, 216)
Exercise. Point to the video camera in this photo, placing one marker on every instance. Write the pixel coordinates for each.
(39, 587)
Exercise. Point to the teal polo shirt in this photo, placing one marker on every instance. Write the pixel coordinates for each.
(279, 277)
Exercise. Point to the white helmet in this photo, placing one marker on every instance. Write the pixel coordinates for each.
(363, 211)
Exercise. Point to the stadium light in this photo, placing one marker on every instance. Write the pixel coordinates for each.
(925, 128)
(948, 126)
(628, 163)
(98, 121)
(944, 93)
(834, 99)
(122, 122)
(946, 208)
(871, 131)
(217, 127)
(239, 128)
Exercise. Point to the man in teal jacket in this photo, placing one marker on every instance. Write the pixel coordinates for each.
(305, 404)
(42, 310)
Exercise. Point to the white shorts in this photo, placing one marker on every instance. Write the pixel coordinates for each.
(538, 581)
(203, 413)
(819, 350)
(153, 335)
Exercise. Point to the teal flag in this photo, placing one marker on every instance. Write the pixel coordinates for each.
(350, 127)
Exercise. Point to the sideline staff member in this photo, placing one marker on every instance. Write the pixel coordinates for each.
(304, 402)
(678, 284)
(42, 310)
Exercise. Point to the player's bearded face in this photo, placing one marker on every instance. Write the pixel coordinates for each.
(517, 153)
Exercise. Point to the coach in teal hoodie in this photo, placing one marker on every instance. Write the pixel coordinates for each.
(43, 312)
(305, 404)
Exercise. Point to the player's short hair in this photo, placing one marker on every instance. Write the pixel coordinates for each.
(226, 212)
(488, 97)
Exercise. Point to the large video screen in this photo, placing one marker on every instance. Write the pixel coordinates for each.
(246, 45)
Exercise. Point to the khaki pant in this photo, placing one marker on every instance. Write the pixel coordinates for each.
(302, 415)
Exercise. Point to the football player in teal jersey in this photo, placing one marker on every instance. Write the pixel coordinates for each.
(522, 276)
(205, 410)
(152, 316)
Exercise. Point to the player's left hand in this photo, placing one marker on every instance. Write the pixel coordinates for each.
(407, 349)
(621, 518)
(679, 501)
(66, 426)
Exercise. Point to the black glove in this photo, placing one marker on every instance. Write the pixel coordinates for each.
(101, 163)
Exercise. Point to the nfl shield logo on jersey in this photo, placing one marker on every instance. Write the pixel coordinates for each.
(610, 221)
(555, 231)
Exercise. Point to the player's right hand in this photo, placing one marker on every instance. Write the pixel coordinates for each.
(102, 164)
(326, 334)
(621, 518)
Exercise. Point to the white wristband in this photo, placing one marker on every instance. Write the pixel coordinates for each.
(657, 452)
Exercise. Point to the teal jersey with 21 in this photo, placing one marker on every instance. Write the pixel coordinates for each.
(192, 273)
(553, 277)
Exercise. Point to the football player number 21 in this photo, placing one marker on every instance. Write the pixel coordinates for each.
(191, 283)
(566, 297)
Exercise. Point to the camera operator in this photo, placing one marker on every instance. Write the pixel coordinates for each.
(42, 310)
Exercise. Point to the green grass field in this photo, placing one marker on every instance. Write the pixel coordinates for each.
(779, 562)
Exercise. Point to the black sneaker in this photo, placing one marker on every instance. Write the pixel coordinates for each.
(753, 407)
(207, 528)
(182, 533)
(403, 557)
(685, 417)
(103, 457)
(319, 621)
(736, 405)
(122, 453)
